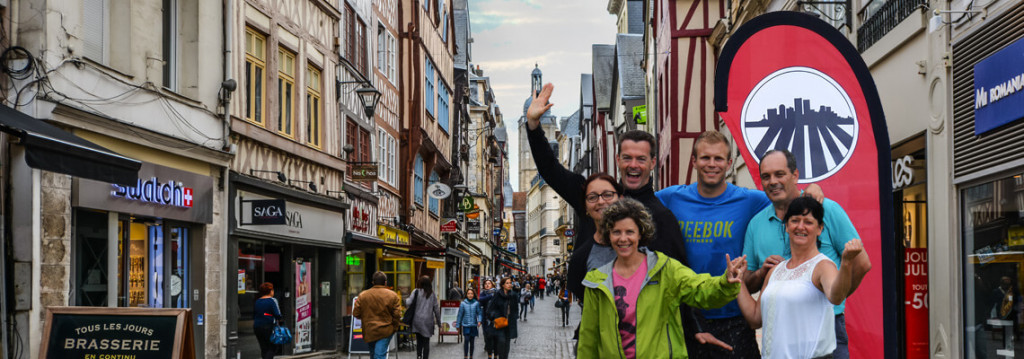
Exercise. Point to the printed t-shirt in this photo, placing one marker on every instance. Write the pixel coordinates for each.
(626, 291)
(713, 227)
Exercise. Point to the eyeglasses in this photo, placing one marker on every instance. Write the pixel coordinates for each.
(606, 195)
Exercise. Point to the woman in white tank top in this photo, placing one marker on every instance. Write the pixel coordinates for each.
(795, 306)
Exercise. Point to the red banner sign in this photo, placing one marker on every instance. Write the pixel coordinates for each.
(449, 226)
(915, 305)
(788, 80)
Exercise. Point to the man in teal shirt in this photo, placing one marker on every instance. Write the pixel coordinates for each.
(766, 243)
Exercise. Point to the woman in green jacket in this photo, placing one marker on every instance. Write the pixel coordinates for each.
(632, 303)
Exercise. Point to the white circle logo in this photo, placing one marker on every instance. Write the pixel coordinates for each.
(805, 111)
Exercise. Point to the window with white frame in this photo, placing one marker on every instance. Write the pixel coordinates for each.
(386, 53)
(434, 203)
(392, 161)
(428, 73)
(417, 180)
(442, 106)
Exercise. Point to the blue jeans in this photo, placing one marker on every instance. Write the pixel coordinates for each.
(842, 340)
(379, 348)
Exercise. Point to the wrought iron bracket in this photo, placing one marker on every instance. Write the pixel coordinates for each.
(836, 12)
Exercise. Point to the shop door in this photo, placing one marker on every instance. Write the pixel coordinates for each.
(258, 263)
(154, 259)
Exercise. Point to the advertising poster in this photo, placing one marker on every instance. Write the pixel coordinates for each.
(303, 309)
(449, 317)
(788, 80)
(915, 279)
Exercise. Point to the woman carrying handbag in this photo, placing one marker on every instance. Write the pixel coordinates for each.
(427, 315)
(266, 313)
(503, 310)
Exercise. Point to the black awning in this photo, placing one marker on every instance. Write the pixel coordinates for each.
(52, 149)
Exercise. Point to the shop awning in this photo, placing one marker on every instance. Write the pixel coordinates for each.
(457, 253)
(504, 251)
(52, 149)
(511, 267)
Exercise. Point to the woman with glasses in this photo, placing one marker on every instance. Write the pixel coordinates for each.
(599, 191)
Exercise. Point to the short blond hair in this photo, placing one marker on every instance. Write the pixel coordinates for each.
(711, 137)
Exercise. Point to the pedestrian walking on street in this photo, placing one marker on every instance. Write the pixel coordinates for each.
(428, 315)
(524, 300)
(541, 287)
(485, 297)
(565, 300)
(380, 310)
(455, 293)
(635, 298)
(503, 308)
(266, 313)
(468, 321)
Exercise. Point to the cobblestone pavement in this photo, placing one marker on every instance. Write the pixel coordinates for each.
(540, 336)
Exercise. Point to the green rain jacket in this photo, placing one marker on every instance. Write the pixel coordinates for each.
(659, 332)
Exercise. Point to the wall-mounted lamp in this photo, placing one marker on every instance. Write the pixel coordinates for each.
(312, 186)
(280, 175)
(368, 96)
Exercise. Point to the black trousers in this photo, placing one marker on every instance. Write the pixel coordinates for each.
(502, 343)
(422, 347)
(565, 313)
(267, 349)
(489, 339)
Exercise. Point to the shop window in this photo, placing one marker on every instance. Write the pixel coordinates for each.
(152, 256)
(355, 272)
(255, 67)
(399, 272)
(993, 239)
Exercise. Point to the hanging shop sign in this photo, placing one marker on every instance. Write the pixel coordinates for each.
(90, 332)
(439, 191)
(640, 114)
(449, 226)
(392, 235)
(434, 263)
(301, 221)
(363, 171)
(999, 88)
(788, 80)
(266, 211)
(466, 204)
(162, 192)
(473, 226)
(363, 213)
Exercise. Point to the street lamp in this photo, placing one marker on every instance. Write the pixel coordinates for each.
(369, 96)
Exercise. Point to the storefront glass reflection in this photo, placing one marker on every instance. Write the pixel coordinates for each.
(993, 238)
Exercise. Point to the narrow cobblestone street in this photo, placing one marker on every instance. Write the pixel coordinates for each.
(540, 336)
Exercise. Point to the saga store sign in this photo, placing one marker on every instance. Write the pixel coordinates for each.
(160, 191)
(300, 221)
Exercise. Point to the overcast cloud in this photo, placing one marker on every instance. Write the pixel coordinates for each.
(510, 36)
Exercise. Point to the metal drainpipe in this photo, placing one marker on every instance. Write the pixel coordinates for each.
(226, 101)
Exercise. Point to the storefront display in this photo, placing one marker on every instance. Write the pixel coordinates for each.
(993, 220)
(302, 258)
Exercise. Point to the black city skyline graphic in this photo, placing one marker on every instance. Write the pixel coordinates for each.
(822, 131)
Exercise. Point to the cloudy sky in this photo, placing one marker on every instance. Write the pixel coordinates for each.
(510, 36)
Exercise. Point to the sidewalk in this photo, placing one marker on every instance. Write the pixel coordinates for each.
(541, 336)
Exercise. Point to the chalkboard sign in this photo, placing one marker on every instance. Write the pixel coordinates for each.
(356, 344)
(93, 333)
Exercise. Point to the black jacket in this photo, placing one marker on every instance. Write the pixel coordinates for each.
(504, 305)
(667, 239)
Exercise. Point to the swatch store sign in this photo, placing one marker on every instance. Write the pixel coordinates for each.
(161, 192)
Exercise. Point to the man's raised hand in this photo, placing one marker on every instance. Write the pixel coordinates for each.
(538, 106)
(735, 268)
